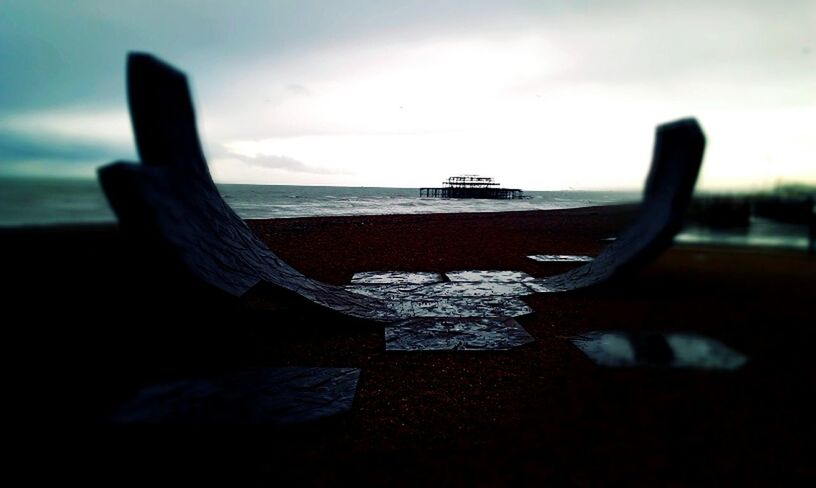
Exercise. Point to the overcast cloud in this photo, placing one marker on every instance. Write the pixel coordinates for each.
(356, 92)
(285, 163)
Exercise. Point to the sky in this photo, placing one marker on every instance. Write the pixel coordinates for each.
(541, 95)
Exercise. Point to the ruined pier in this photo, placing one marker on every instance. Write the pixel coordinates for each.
(471, 186)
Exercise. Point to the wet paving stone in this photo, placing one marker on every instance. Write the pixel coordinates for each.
(268, 396)
(387, 292)
(459, 307)
(395, 277)
(658, 349)
(456, 334)
(472, 311)
(560, 258)
(540, 286)
(472, 289)
(489, 275)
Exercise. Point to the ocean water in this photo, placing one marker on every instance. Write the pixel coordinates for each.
(52, 201)
(42, 201)
(38, 201)
(258, 201)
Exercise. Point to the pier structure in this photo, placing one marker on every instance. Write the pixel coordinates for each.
(471, 186)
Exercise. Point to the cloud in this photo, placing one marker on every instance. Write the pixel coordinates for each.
(60, 142)
(16, 147)
(297, 89)
(64, 52)
(286, 163)
(369, 85)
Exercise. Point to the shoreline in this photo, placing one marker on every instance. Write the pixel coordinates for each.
(792, 238)
(114, 222)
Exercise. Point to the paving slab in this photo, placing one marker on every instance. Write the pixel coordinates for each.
(471, 289)
(560, 258)
(489, 275)
(456, 334)
(459, 307)
(384, 292)
(395, 277)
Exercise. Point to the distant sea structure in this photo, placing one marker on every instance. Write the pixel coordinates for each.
(471, 186)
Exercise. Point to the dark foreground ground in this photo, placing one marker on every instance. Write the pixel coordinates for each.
(89, 320)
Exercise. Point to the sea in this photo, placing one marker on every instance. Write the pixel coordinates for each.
(44, 201)
(39, 201)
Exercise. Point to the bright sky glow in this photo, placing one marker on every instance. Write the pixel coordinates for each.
(540, 95)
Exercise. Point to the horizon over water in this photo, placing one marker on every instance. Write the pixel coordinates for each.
(40, 201)
(48, 201)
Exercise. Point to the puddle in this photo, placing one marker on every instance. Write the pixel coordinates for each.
(269, 396)
(560, 258)
(395, 277)
(658, 349)
(487, 334)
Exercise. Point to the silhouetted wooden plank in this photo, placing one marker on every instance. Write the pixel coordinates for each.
(678, 154)
(170, 200)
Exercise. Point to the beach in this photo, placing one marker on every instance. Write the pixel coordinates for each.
(101, 318)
